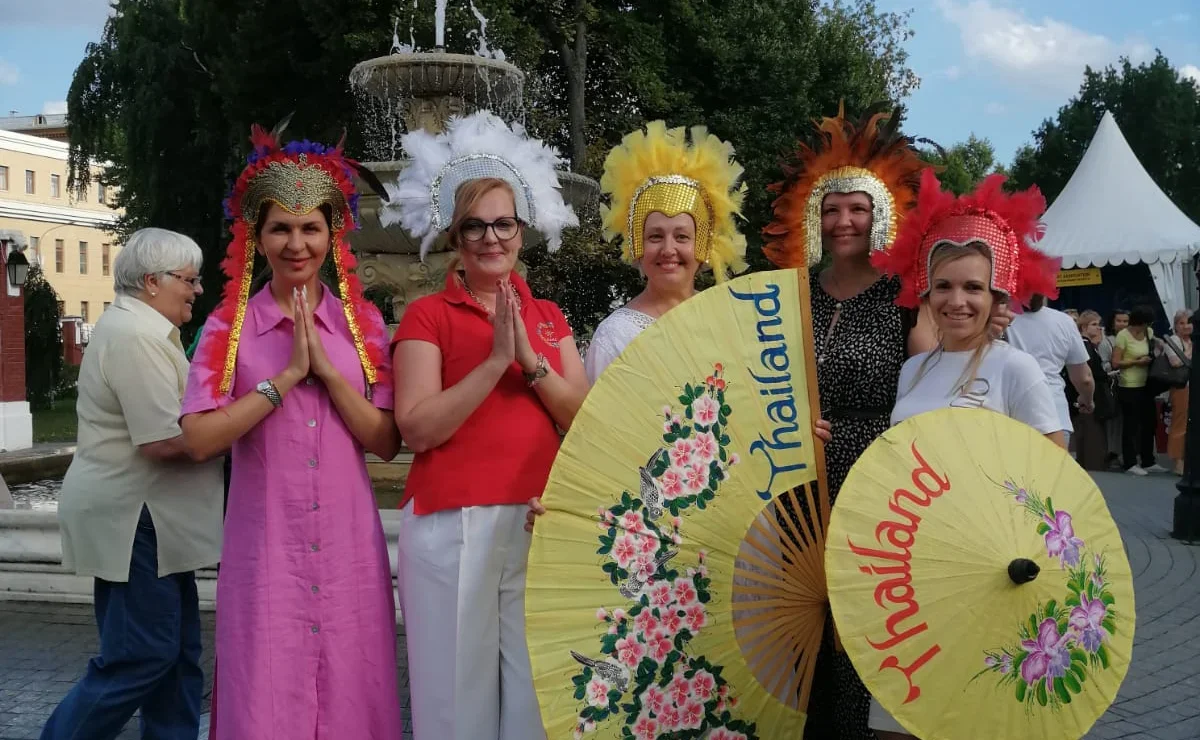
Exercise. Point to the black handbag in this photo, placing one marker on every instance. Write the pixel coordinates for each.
(1165, 375)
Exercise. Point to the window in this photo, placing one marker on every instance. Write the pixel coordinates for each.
(83, 311)
(36, 243)
(54, 191)
(30, 182)
(102, 194)
(104, 255)
(81, 194)
(58, 255)
(106, 305)
(83, 259)
(62, 309)
(3, 178)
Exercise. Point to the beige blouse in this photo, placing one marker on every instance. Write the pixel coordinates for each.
(130, 385)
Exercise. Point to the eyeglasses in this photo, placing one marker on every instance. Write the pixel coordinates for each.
(504, 228)
(193, 281)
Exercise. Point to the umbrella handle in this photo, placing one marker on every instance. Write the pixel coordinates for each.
(1023, 570)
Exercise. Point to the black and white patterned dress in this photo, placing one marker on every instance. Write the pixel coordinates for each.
(858, 368)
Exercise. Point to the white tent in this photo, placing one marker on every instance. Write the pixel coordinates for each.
(1112, 213)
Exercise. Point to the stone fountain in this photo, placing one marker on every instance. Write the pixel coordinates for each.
(407, 91)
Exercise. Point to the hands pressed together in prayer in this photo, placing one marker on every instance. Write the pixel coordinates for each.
(510, 340)
(308, 354)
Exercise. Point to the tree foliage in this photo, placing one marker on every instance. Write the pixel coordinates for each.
(168, 94)
(43, 340)
(1158, 111)
(963, 165)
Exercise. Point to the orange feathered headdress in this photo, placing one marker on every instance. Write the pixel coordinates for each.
(298, 176)
(1008, 225)
(870, 156)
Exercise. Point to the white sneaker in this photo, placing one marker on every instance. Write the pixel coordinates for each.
(1136, 470)
(1156, 468)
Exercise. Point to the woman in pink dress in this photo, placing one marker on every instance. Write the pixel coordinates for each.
(297, 382)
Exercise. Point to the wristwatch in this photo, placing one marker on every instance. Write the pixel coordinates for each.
(540, 370)
(268, 389)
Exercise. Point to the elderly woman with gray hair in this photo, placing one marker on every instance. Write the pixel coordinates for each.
(138, 514)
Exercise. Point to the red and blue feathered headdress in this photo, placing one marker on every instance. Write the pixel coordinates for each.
(298, 176)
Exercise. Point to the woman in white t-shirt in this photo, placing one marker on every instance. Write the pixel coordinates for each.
(957, 257)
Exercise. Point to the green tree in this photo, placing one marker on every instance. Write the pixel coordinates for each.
(964, 164)
(43, 340)
(1158, 111)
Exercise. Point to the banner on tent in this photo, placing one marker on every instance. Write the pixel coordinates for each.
(1075, 278)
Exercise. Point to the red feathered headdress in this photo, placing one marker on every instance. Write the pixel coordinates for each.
(1008, 225)
(298, 177)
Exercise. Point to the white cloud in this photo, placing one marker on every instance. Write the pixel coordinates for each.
(1047, 53)
(9, 75)
(995, 109)
(1191, 71)
(953, 72)
(54, 107)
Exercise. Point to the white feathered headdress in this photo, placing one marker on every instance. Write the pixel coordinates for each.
(473, 147)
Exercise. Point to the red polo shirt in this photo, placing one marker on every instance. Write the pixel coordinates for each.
(503, 452)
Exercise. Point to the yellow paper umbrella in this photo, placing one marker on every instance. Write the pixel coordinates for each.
(676, 584)
(978, 582)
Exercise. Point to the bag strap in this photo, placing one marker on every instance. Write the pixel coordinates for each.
(1178, 353)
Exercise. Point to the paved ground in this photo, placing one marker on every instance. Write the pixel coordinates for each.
(44, 647)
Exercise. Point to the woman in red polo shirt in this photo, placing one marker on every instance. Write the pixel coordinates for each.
(486, 376)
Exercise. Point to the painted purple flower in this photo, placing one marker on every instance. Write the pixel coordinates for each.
(1018, 493)
(1049, 655)
(1004, 662)
(1087, 622)
(1061, 541)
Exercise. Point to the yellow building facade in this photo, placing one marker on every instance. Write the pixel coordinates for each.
(65, 232)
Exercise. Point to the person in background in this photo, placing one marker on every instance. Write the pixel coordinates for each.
(677, 227)
(1179, 353)
(1052, 338)
(1132, 354)
(295, 380)
(1091, 437)
(138, 514)
(1117, 320)
(486, 377)
(1073, 313)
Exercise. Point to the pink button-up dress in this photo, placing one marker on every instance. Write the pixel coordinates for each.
(306, 622)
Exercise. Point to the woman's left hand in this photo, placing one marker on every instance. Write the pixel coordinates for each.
(823, 430)
(318, 362)
(526, 357)
(1001, 317)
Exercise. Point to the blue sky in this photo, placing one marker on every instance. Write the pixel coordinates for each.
(995, 68)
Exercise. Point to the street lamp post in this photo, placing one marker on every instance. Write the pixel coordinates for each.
(1187, 503)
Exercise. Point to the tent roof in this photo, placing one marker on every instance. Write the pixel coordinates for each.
(1111, 212)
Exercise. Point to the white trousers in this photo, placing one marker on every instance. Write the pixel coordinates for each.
(461, 575)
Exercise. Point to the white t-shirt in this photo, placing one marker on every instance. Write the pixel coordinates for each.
(1008, 381)
(611, 338)
(1053, 338)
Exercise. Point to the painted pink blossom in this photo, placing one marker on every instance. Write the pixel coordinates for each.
(643, 568)
(723, 734)
(680, 689)
(597, 693)
(659, 647)
(681, 452)
(630, 651)
(704, 410)
(1087, 621)
(646, 728)
(685, 592)
(1049, 655)
(632, 522)
(669, 718)
(671, 623)
(692, 716)
(696, 618)
(695, 477)
(601, 614)
(647, 544)
(672, 484)
(660, 594)
(624, 550)
(1061, 541)
(645, 621)
(734, 459)
(655, 699)
(703, 685)
(705, 446)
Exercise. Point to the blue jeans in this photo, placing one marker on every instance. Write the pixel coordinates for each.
(149, 656)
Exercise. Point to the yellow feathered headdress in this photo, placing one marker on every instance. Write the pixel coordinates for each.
(661, 170)
(869, 156)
